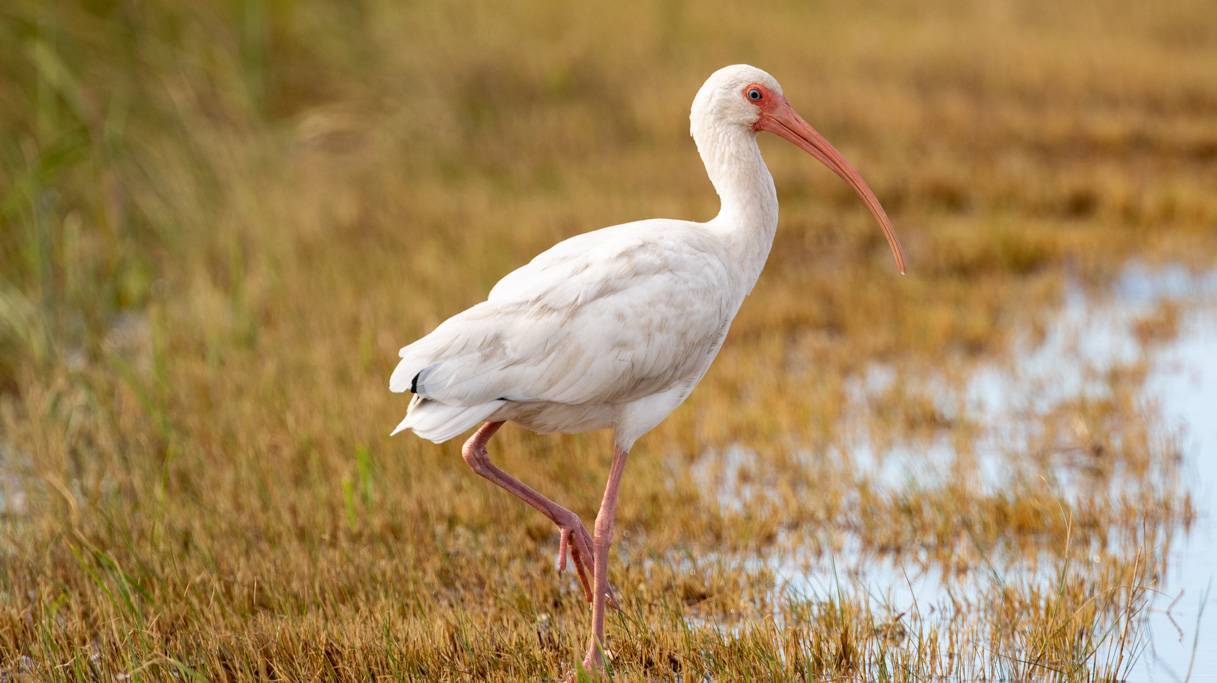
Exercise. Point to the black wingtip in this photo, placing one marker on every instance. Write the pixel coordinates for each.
(414, 383)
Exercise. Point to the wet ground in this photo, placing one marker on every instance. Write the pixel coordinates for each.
(1158, 324)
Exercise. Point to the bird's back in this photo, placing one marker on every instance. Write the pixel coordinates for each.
(601, 319)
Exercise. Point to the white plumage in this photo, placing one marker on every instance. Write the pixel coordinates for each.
(613, 328)
(568, 342)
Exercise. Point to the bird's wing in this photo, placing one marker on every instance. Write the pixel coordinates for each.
(611, 315)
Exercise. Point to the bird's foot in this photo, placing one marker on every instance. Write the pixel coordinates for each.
(590, 669)
(593, 665)
(575, 540)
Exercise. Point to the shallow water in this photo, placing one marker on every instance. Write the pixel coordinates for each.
(1184, 384)
(1092, 334)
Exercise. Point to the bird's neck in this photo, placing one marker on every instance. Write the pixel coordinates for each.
(748, 215)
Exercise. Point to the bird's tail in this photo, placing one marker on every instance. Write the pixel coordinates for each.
(438, 422)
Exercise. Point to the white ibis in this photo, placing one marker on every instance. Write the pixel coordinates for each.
(613, 328)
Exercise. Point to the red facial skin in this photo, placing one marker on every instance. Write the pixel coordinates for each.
(766, 104)
(779, 118)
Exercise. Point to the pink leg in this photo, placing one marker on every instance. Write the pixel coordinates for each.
(604, 539)
(573, 534)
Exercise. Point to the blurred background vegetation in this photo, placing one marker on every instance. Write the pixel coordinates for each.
(219, 221)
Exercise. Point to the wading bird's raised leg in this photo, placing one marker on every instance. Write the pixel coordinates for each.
(603, 541)
(574, 536)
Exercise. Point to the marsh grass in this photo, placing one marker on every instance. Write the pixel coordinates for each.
(221, 220)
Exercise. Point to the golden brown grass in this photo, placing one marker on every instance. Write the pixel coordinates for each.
(220, 221)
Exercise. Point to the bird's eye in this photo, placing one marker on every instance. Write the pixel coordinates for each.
(754, 94)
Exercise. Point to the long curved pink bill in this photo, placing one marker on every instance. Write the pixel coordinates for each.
(785, 122)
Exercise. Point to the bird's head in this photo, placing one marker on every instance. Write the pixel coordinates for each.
(743, 97)
(734, 96)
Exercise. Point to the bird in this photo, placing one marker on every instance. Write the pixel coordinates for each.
(613, 328)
